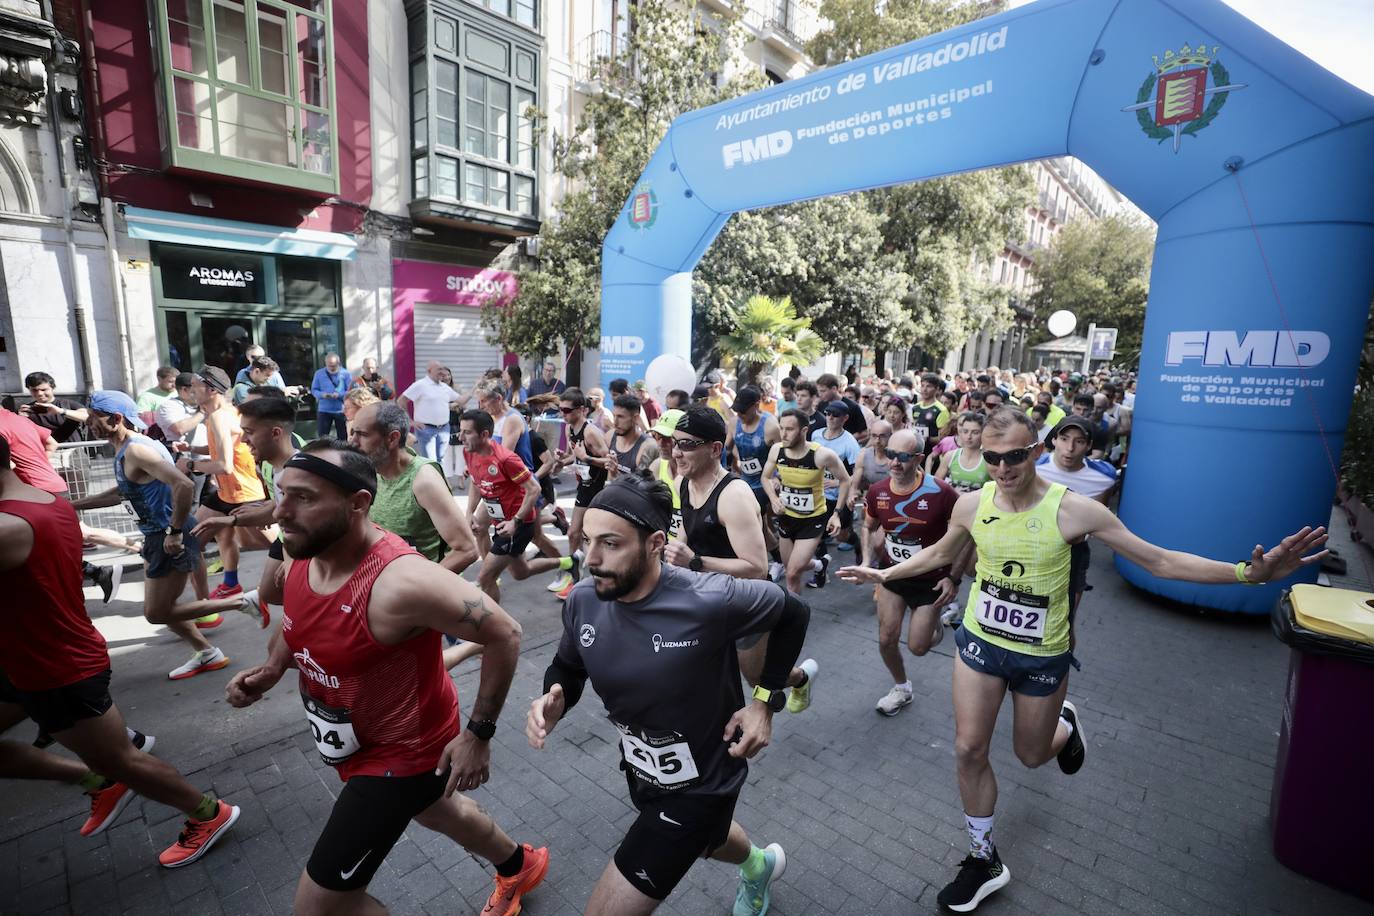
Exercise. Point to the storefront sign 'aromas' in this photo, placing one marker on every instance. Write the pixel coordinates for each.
(1225, 366)
(216, 276)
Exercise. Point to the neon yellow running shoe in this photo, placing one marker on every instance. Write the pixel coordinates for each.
(800, 697)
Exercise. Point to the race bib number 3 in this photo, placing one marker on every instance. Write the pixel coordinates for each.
(332, 730)
(662, 760)
(802, 502)
(494, 510)
(900, 549)
(1011, 614)
(751, 466)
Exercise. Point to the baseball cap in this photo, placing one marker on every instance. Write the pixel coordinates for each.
(747, 397)
(1080, 423)
(112, 402)
(704, 423)
(837, 408)
(667, 423)
(215, 377)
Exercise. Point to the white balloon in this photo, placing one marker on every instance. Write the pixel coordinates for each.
(1062, 323)
(667, 372)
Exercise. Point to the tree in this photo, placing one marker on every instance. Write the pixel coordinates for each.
(1100, 271)
(767, 331)
(936, 229)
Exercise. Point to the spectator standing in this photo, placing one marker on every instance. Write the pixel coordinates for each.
(30, 446)
(254, 351)
(549, 382)
(330, 385)
(652, 410)
(374, 381)
(149, 400)
(513, 378)
(259, 373)
(597, 414)
(431, 399)
(60, 417)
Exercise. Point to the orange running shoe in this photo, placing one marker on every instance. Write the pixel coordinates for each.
(106, 804)
(198, 836)
(563, 593)
(209, 621)
(505, 898)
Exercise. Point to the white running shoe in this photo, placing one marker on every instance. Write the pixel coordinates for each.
(893, 701)
(253, 606)
(560, 582)
(776, 571)
(951, 614)
(211, 659)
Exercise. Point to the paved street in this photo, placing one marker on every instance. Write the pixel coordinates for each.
(1169, 815)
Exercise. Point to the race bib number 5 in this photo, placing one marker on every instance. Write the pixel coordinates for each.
(332, 730)
(663, 760)
(1011, 614)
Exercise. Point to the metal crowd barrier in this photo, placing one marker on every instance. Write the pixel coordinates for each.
(88, 468)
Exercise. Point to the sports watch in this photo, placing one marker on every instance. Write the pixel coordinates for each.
(776, 699)
(695, 564)
(169, 531)
(483, 729)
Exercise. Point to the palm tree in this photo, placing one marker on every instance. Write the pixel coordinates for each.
(768, 331)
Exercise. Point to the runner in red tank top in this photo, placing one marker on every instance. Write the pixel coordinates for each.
(362, 624)
(509, 492)
(56, 671)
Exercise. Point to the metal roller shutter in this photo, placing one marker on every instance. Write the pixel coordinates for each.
(453, 335)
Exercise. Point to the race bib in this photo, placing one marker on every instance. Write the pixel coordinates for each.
(332, 730)
(751, 466)
(129, 508)
(830, 481)
(582, 471)
(1012, 614)
(800, 502)
(494, 510)
(662, 759)
(675, 527)
(900, 549)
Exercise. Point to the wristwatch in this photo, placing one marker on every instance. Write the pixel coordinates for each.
(169, 531)
(483, 729)
(695, 564)
(776, 699)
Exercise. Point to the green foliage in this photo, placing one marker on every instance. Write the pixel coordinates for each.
(767, 331)
(1100, 271)
(1357, 458)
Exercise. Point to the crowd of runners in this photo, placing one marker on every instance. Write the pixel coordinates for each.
(696, 529)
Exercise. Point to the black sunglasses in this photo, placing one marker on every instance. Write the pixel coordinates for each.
(1011, 458)
(901, 457)
(688, 445)
(569, 409)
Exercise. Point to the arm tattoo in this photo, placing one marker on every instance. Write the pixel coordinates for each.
(475, 612)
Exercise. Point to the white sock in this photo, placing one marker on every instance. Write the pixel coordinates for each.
(906, 686)
(1067, 724)
(815, 565)
(979, 835)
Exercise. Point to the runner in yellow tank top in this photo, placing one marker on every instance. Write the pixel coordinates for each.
(793, 477)
(1016, 633)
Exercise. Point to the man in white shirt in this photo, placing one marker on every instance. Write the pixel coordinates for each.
(428, 400)
(1069, 464)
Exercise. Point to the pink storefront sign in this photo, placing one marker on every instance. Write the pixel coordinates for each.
(415, 282)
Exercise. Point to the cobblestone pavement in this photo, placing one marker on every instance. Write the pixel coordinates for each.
(1169, 815)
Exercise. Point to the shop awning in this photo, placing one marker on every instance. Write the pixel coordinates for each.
(181, 229)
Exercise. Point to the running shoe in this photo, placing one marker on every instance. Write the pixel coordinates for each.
(226, 591)
(1071, 754)
(560, 582)
(209, 621)
(255, 608)
(107, 577)
(211, 659)
(776, 571)
(214, 567)
(106, 804)
(818, 578)
(144, 743)
(566, 590)
(799, 698)
(977, 879)
(845, 545)
(752, 898)
(560, 519)
(951, 614)
(198, 836)
(505, 897)
(894, 700)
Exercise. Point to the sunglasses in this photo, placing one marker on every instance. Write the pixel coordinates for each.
(568, 410)
(901, 457)
(688, 445)
(1011, 458)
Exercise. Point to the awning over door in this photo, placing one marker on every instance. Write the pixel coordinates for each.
(181, 229)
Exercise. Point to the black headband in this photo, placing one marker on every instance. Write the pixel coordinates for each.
(304, 461)
(633, 505)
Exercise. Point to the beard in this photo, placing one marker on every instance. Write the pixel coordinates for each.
(621, 583)
(305, 544)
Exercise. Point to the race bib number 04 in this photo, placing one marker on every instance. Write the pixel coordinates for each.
(332, 730)
(802, 502)
(663, 760)
(1012, 614)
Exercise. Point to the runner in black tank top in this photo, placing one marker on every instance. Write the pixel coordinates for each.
(702, 527)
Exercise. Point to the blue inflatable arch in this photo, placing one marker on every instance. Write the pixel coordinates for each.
(1254, 161)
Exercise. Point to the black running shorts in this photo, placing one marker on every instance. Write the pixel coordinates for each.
(276, 551)
(158, 563)
(671, 832)
(60, 708)
(513, 546)
(369, 816)
(586, 492)
(801, 529)
(915, 592)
